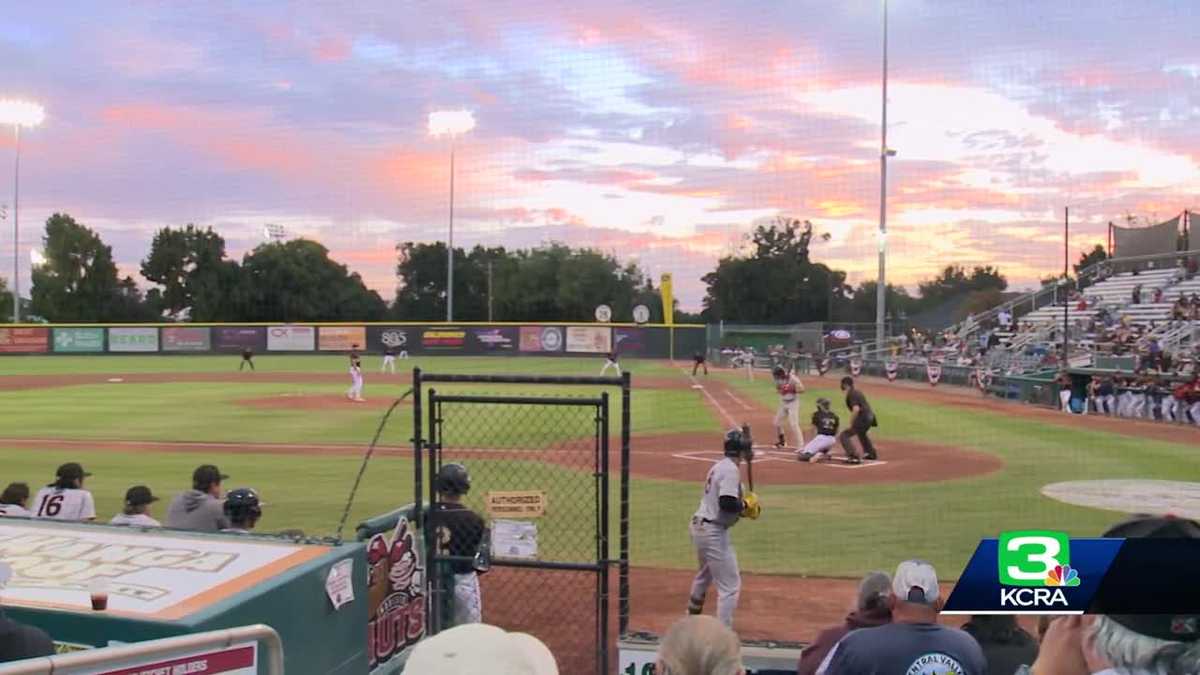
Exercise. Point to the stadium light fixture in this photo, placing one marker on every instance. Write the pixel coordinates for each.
(452, 123)
(20, 114)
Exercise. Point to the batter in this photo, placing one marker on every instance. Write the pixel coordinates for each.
(789, 387)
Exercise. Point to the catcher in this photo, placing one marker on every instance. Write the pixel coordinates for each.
(825, 422)
(722, 505)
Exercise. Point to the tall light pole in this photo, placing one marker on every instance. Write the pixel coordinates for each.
(18, 114)
(452, 123)
(884, 153)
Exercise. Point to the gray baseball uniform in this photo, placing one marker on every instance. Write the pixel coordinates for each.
(710, 535)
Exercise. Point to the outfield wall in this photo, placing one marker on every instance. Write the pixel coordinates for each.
(468, 339)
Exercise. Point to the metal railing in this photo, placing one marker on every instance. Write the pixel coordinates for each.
(88, 661)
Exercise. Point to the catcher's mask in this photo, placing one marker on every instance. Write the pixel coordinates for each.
(823, 403)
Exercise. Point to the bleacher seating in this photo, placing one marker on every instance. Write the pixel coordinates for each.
(1115, 294)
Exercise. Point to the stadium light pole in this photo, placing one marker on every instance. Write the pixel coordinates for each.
(884, 153)
(19, 114)
(451, 123)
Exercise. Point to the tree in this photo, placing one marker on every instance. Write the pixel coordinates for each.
(297, 281)
(1088, 258)
(189, 264)
(954, 281)
(78, 281)
(861, 304)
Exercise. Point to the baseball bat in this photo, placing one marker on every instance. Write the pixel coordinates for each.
(750, 457)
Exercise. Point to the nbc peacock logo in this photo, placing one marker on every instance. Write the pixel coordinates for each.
(1062, 575)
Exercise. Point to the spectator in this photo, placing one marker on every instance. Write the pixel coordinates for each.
(18, 641)
(1158, 296)
(872, 610)
(200, 508)
(1137, 294)
(15, 500)
(479, 648)
(1006, 646)
(65, 498)
(913, 639)
(1193, 266)
(1082, 305)
(137, 508)
(1141, 644)
(243, 509)
(699, 645)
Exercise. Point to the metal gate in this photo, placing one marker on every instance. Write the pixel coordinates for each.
(539, 469)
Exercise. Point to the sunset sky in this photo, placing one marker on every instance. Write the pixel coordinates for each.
(656, 130)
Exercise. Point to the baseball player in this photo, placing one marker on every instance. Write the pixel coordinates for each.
(243, 509)
(15, 500)
(700, 362)
(862, 419)
(789, 387)
(247, 359)
(389, 359)
(1064, 391)
(459, 531)
(721, 505)
(356, 378)
(137, 508)
(610, 361)
(825, 422)
(65, 498)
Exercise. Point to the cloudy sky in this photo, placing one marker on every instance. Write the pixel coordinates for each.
(657, 130)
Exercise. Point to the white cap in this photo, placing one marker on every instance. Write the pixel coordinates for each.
(480, 648)
(915, 581)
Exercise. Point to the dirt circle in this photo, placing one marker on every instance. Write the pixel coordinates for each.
(689, 456)
(313, 402)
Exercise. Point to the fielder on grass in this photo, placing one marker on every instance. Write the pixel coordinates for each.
(611, 361)
(789, 387)
(356, 377)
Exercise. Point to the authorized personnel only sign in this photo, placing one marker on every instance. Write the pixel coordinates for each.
(522, 504)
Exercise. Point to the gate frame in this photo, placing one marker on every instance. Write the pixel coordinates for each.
(604, 562)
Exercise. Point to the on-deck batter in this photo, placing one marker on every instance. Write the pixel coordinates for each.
(789, 387)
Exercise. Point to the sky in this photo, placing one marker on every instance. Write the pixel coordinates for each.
(659, 131)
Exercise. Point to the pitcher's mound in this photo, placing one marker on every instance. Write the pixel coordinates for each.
(314, 402)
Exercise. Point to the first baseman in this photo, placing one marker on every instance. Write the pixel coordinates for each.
(826, 422)
(720, 507)
(356, 378)
(789, 387)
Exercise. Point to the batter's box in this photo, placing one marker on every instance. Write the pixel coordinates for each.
(760, 456)
(841, 463)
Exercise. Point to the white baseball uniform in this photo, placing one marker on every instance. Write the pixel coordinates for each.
(468, 605)
(135, 520)
(710, 535)
(789, 389)
(389, 361)
(356, 381)
(64, 504)
(14, 510)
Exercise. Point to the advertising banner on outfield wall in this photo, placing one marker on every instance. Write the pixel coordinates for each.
(342, 338)
(541, 339)
(78, 340)
(443, 339)
(291, 338)
(400, 338)
(186, 339)
(484, 340)
(17, 340)
(589, 339)
(235, 339)
(630, 341)
(132, 339)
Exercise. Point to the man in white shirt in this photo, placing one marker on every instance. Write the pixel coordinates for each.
(137, 508)
(15, 500)
(65, 498)
(720, 507)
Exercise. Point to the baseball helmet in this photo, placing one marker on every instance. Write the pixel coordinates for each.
(242, 503)
(779, 372)
(453, 479)
(823, 403)
(737, 443)
(847, 382)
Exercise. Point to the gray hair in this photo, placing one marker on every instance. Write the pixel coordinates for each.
(1132, 652)
(700, 645)
(873, 590)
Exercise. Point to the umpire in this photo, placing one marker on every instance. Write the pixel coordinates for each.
(862, 419)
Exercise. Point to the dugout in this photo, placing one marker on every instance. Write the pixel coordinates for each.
(164, 583)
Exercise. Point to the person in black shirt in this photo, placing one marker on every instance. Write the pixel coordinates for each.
(17, 640)
(247, 359)
(825, 422)
(862, 419)
(701, 362)
(458, 533)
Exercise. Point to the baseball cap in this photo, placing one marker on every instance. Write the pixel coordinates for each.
(916, 581)
(1169, 627)
(71, 471)
(479, 648)
(138, 495)
(207, 474)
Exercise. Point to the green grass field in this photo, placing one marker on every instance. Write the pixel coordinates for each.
(811, 530)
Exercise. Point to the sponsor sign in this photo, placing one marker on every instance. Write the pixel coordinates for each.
(396, 338)
(239, 338)
(493, 339)
(132, 339)
(237, 659)
(541, 339)
(291, 338)
(341, 338)
(339, 585)
(443, 338)
(78, 339)
(150, 575)
(395, 594)
(14, 340)
(589, 339)
(629, 340)
(520, 504)
(186, 339)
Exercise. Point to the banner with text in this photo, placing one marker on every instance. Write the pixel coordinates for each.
(235, 339)
(186, 339)
(399, 338)
(342, 338)
(132, 339)
(78, 340)
(484, 340)
(443, 339)
(236, 659)
(19, 340)
(629, 340)
(589, 339)
(541, 339)
(291, 338)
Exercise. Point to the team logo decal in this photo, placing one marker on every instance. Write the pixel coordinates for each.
(893, 370)
(934, 370)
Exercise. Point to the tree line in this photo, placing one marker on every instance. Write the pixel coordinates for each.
(193, 278)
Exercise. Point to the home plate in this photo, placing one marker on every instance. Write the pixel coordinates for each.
(116, 379)
(867, 463)
(697, 386)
